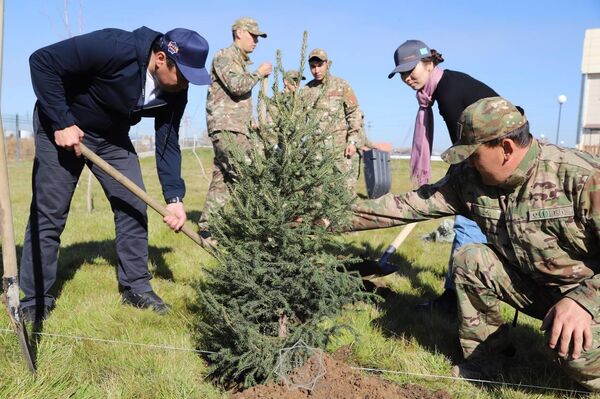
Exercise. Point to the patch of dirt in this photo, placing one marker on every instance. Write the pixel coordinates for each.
(339, 381)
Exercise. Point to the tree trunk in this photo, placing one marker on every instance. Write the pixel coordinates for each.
(89, 203)
(283, 320)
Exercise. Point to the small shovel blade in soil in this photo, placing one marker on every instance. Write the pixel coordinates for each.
(370, 268)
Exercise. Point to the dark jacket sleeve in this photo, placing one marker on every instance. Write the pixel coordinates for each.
(67, 62)
(168, 153)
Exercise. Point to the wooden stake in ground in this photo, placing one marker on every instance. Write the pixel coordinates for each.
(200, 162)
(10, 281)
(89, 203)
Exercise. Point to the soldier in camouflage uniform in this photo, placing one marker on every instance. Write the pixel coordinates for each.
(539, 206)
(229, 109)
(341, 118)
(291, 81)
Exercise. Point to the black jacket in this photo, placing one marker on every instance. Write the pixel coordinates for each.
(455, 92)
(95, 81)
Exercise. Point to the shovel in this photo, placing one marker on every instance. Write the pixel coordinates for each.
(10, 281)
(370, 269)
(141, 194)
(383, 262)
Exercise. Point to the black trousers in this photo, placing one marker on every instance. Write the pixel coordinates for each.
(55, 175)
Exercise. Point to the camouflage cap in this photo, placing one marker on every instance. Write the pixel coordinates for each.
(318, 53)
(485, 120)
(293, 76)
(248, 24)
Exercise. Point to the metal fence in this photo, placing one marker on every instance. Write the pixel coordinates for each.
(18, 132)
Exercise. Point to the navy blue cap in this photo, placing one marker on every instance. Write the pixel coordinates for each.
(408, 55)
(189, 51)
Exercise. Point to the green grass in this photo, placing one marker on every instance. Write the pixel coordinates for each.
(390, 336)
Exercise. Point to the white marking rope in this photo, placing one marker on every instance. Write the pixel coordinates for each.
(446, 377)
(113, 341)
(368, 369)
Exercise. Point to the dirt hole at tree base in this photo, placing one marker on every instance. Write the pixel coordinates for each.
(340, 381)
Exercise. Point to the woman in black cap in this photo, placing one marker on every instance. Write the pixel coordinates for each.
(417, 65)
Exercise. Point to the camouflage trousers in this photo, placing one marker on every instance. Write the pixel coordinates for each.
(482, 281)
(223, 173)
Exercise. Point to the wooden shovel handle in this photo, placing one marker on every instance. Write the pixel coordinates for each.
(402, 235)
(9, 252)
(141, 194)
(383, 260)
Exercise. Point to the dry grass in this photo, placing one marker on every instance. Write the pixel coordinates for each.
(26, 147)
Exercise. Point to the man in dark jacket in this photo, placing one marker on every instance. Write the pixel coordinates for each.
(91, 89)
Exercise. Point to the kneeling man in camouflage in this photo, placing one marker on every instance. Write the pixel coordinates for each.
(539, 206)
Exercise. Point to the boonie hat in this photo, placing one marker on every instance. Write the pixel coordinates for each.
(408, 55)
(293, 76)
(318, 53)
(248, 24)
(189, 51)
(485, 120)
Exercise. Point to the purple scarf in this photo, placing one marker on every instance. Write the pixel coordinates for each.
(420, 155)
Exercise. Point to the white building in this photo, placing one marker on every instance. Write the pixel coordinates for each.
(588, 122)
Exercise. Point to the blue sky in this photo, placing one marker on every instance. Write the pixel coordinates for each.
(528, 51)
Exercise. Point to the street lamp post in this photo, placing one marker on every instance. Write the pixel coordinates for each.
(561, 100)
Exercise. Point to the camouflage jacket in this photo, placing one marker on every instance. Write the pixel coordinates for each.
(337, 108)
(544, 220)
(229, 100)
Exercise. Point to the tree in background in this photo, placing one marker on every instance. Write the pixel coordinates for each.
(279, 275)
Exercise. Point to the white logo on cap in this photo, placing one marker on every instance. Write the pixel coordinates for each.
(423, 50)
(172, 47)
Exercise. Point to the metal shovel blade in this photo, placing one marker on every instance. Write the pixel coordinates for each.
(11, 296)
(384, 264)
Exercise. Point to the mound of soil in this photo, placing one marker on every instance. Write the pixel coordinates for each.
(339, 381)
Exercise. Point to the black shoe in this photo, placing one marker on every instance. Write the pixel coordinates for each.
(492, 368)
(35, 314)
(483, 369)
(445, 303)
(145, 300)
